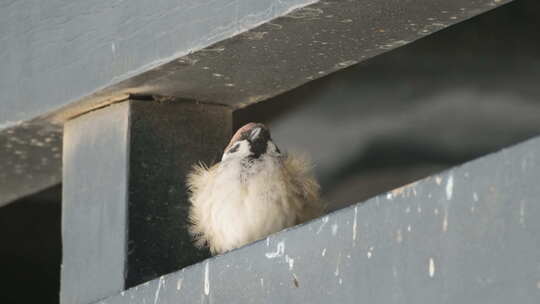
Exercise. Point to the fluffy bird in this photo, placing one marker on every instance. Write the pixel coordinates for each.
(254, 191)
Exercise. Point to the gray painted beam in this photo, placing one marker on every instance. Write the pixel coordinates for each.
(287, 50)
(468, 235)
(64, 60)
(124, 205)
(54, 54)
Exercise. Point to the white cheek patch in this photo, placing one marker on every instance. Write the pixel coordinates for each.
(271, 148)
(239, 149)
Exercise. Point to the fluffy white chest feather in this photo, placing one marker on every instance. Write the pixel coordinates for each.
(246, 206)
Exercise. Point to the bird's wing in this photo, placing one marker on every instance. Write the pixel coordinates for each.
(304, 187)
(199, 179)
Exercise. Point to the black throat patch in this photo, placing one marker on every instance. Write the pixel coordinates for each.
(259, 143)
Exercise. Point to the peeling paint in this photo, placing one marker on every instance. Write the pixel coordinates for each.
(354, 225)
(156, 295)
(336, 272)
(289, 261)
(369, 253)
(449, 187)
(334, 229)
(445, 221)
(431, 267)
(207, 278)
(280, 250)
(324, 221)
(179, 284)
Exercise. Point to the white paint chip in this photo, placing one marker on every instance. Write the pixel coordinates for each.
(323, 253)
(449, 187)
(156, 295)
(334, 229)
(179, 283)
(354, 226)
(280, 250)
(336, 272)
(369, 254)
(207, 278)
(324, 221)
(445, 221)
(431, 268)
(289, 261)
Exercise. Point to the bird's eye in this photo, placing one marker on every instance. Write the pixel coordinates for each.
(234, 148)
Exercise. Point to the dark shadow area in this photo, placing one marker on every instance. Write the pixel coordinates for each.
(448, 98)
(30, 249)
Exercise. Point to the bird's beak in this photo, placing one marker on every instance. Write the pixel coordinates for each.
(255, 132)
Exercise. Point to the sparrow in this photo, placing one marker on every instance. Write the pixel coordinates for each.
(254, 191)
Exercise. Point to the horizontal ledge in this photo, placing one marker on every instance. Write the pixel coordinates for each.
(466, 235)
(227, 52)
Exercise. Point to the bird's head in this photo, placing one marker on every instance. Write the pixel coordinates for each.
(251, 141)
